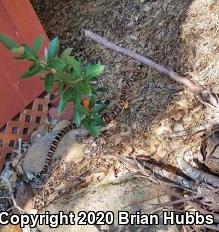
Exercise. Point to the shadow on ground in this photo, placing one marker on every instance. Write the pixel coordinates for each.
(149, 27)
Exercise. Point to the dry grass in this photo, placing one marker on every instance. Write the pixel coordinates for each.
(181, 34)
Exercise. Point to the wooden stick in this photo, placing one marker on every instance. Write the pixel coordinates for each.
(197, 174)
(144, 60)
(182, 200)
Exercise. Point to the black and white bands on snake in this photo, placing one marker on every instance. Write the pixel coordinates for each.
(54, 145)
(107, 117)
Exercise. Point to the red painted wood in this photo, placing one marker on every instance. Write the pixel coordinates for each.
(19, 21)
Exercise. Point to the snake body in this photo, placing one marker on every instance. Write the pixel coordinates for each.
(107, 117)
(54, 145)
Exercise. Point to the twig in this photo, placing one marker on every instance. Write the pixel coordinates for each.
(20, 147)
(171, 203)
(147, 61)
(170, 189)
(140, 165)
(179, 180)
(193, 204)
(196, 174)
(211, 227)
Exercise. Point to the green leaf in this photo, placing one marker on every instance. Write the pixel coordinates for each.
(57, 64)
(60, 87)
(98, 120)
(76, 96)
(67, 95)
(93, 100)
(93, 71)
(65, 98)
(63, 76)
(84, 89)
(34, 69)
(98, 108)
(53, 48)
(28, 53)
(81, 109)
(77, 117)
(48, 83)
(65, 54)
(8, 42)
(93, 129)
(85, 121)
(37, 44)
(61, 106)
(75, 64)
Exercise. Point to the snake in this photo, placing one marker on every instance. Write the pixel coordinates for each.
(40, 202)
(107, 118)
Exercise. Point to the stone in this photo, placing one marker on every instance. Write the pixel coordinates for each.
(36, 155)
(178, 127)
(60, 125)
(74, 152)
(164, 129)
(37, 134)
(113, 196)
(24, 197)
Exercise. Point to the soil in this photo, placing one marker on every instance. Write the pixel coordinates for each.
(180, 34)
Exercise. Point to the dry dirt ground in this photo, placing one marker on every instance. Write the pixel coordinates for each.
(180, 34)
(162, 119)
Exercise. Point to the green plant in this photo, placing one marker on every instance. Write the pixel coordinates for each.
(72, 78)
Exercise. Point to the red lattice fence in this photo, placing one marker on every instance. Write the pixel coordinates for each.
(19, 21)
(33, 117)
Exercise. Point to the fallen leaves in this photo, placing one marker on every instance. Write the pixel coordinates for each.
(177, 114)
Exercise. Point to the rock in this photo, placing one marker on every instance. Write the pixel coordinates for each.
(69, 146)
(74, 152)
(24, 197)
(164, 129)
(36, 155)
(37, 134)
(112, 196)
(60, 125)
(178, 127)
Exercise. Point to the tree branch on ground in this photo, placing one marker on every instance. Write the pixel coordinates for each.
(205, 96)
(145, 60)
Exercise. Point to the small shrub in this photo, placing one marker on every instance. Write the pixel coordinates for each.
(72, 78)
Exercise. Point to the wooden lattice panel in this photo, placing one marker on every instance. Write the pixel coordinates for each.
(19, 21)
(33, 117)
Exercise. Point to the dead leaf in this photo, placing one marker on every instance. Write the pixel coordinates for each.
(117, 139)
(177, 114)
(111, 174)
(95, 177)
(126, 104)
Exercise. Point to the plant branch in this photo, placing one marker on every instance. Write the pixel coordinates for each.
(144, 60)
